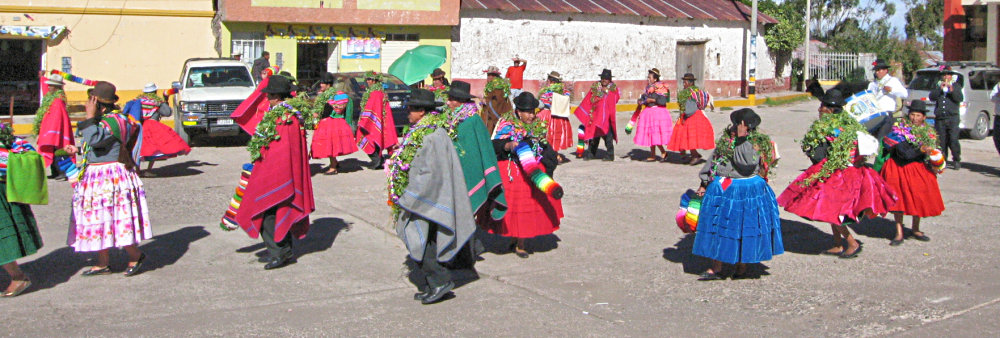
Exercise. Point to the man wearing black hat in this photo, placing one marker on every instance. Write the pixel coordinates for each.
(597, 112)
(889, 91)
(496, 98)
(260, 64)
(947, 97)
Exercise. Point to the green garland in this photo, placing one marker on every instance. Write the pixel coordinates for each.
(320, 102)
(266, 131)
(6, 135)
(399, 166)
(44, 109)
(683, 96)
(597, 91)
(925, 135)
(369, 91)
(497, 83)
(725, 147)
(552, 87)
(838, 129)
(537, 129)
(151, 96)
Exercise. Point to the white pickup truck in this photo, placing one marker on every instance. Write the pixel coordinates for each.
(208, 91)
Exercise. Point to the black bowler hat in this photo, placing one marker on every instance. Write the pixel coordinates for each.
(525, 102)
(326, 78)
(880, 64)
(278, 85)
(918, 106)
(460, 90)
(422, 98)
(688, 77)
(750, 118)
(606, 74)
(437, 73)
(833, 98)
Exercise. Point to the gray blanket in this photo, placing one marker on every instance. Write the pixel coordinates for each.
(436, 193)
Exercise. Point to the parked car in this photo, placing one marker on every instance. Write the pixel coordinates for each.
(977, 78)
(396, 91)
(209, 90)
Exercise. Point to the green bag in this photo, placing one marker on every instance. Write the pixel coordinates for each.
(26, 179)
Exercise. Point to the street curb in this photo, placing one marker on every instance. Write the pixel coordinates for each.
(22, 129)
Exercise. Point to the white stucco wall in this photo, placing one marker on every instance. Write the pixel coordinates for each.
(580, 45)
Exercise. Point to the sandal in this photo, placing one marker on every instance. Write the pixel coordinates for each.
(845, 255)
(95, 272)
(694, 160)
(921, 237)
(25, 284)
(651, 159)
(707, 276)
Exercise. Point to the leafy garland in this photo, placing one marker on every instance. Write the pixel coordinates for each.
(321, 99)
(266, 131)
(497, 83)
(36, 126)
(922, 135)
(840, 131)
(725, 148)
(399, 162)
(551, 88)
(537, 129)
(151, 97)
(684, 96)
(597, 91)
(440, 92)
(6, 135)
(368, 91)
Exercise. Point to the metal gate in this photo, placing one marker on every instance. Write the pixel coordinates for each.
(840, 66)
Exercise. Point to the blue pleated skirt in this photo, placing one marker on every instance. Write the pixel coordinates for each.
(739, 224)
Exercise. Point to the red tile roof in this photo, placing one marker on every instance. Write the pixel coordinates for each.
(725, 10)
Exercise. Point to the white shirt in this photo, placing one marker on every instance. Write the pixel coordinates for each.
(995, 97)
(887, 101)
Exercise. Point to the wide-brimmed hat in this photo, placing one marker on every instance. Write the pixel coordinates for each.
(54, 80)
(654, 71)
(918, 105)
(105, 92)
(326, 78)
(747, 116)
(460, 90)
(555, 75)
(492, 70)
(278, 85)
(437, 73)
(606, 74)
(689, 77)
(880, 64)
(422, 98)
(149, 88)
(525, 102)
(833, 98)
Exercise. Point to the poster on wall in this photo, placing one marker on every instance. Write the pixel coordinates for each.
(361, 49)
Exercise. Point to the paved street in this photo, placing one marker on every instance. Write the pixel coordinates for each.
(618, 267)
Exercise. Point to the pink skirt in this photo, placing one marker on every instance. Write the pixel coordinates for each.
(109, 209)
(332, 138)
(843, 196)
(653, 127)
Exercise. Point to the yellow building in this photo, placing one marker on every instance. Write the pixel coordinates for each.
(128, 43)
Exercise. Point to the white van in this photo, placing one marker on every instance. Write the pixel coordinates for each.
(209, 90)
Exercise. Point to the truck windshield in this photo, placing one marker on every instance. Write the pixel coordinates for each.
(928, 80)
(223, 76)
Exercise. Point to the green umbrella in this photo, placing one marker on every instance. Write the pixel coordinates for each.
(416, 64)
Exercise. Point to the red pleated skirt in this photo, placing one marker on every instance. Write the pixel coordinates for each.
(844, 195)
(560, 133)
(530, 212)
(917, 187)
(333, 137)
(694, 132)
(159, 142)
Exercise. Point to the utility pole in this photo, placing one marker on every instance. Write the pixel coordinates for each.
(805, 77)
(752, 86)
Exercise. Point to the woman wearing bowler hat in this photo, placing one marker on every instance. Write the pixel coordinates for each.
(692, 131)
(910, 144)
(560, 132)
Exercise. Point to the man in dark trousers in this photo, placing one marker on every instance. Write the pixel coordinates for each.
(947, 97)
(259, 65)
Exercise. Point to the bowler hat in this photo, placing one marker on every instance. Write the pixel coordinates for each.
(655, 71)
(525, 102)
(460, 90)
(437, 73)
(422, 98)
(555, 75)
(105, 92)
(689, 77)
(149, 88)
(492, 70)
(918, 106)
(833, 98)
(606, 74)
(54, 80)
(278, 85)
(880, 64)
(746, 116)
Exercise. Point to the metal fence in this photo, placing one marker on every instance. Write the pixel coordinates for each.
(840, 66)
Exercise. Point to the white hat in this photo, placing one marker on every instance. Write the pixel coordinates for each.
(150, 88)
(54, 80)
(237, 52)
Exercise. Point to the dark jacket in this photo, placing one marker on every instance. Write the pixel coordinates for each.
(947, 103)
(259, 65)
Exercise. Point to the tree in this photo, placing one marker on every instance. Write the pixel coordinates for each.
(782, 38)
(923, 21)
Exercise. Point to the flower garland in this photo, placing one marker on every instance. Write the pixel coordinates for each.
(537, 129)
(922, 135)
(725, 148)
(151, 97)
(497, 83)
(460, 113)
(320, 102)
(840, 131)
(597, 91)
(44, 109)
(399, 162)
(266, 131)
(440, 92)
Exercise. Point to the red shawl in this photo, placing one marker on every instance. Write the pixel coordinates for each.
(598, 118)
(55, 131)
(247, 115)
(376, 126)
(280, 179)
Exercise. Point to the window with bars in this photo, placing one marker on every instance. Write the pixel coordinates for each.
(402, 37)
(250, 44)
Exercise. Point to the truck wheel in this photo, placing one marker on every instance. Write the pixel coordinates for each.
(981, 129)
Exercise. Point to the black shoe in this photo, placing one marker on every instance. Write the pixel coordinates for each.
(522, 254)
(845, 255)
(264, 259)
(91, 272)
(707, 276)
(922, 238)
(958, 165)
(609, 158)
(896, 242)
(435, 294)
(134, 270)
(275, 263)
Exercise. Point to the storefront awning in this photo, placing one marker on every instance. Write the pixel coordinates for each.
(43, 32)
(323, 33)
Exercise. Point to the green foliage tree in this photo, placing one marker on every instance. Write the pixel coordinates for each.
(782, 38)
(923, 21)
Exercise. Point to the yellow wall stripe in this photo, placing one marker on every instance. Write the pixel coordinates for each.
(107, 11)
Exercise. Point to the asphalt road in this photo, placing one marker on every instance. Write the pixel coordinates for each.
(618, 267)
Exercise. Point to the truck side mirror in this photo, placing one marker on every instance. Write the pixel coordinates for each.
(175, 85)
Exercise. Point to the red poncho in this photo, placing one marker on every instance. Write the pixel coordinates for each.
(598, 118)
(248, 114)
(376, 127)
(55, 131)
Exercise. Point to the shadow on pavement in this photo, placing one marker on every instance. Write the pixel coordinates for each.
(499, 245)
(166, 249)
(877, 227)
(322, 233)
(681, 253)
(180, 169)
(344, 166)
(984, 170)
(803, 238)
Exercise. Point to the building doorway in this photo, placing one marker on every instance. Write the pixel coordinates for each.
(20, 61)
(691, 59)
(312, 60)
